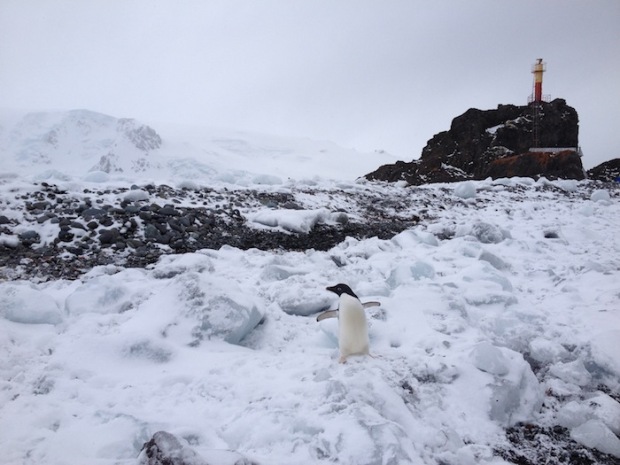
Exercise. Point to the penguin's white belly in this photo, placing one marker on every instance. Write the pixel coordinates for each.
(352, 327)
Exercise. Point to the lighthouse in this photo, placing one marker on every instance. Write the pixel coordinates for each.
(537, 70)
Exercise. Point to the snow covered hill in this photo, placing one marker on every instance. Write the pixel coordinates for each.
(496, 341)
(93, 146)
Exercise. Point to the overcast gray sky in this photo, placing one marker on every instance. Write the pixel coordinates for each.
(384, 74)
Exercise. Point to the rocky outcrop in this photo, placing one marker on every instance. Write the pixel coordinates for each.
(608, 171)
(478, 139)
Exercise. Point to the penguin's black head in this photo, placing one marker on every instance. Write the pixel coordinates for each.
(342, 289)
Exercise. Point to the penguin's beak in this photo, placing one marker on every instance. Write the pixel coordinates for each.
(330, 288)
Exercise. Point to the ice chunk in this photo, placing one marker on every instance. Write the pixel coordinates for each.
(573, 414)
(421, 270)
(600, 195)
(605, 348)
(229, 319)
(465, 190)
(516, 396)
(21, 303)
(136, 195)
(488, 233)
(487, 357)
(302, 301)
(103, 294)
(515, 392)
(571, 372)
(484, 232)
(403, 273)
(493, 260)
(568, 185)
(409, 238)
(600, 407)
(596, 435)
(547, 351)
(607, 410)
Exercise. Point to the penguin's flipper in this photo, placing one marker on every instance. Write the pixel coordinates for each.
(327, 314)
(372, 303)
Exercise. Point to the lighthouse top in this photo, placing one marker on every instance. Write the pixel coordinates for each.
(538, 69)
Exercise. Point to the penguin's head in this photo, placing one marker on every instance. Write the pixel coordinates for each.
(340, 289)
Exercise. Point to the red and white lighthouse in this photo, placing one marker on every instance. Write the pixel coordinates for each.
(538, 69)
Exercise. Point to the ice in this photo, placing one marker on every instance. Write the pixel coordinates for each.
(571, 372)
(546, 350)
(420, 270)
(136, 195)
(599, 407)
(484, 232)
(465, 190)
(21, 303)
(489, 358)
(515, 392)
(103, 294)
(595, 434)
(600, 195)
(605, 347)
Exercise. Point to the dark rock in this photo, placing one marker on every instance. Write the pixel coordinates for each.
(44, 217)
(78, 225)
(108, 236)
(29, 237)
(106, 221)
(92, 225)
(608, 171)
(4, 220)
(90, 213)
(44, 205)
(479, 138)
(65, 235)
(169, 211)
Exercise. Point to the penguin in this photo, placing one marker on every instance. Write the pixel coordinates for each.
(352, 323)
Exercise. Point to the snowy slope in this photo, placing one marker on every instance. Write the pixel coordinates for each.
(502, 309)
(84, 144)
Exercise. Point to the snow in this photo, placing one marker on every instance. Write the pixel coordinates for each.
(220, 350)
